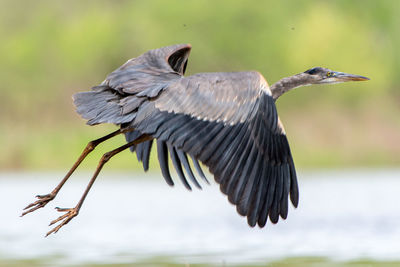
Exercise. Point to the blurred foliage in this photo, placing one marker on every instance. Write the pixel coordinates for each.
(52, 49)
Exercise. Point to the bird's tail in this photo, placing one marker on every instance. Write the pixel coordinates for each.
(101, 105)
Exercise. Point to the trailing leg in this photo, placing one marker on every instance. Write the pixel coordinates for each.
(44, 199)
(72, 212)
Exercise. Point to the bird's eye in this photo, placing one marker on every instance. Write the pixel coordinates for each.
(329, 74)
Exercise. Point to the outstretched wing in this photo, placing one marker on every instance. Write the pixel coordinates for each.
(228, 121)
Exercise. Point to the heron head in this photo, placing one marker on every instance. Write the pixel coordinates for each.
(319, 75)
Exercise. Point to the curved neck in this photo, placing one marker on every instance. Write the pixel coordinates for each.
(289, 83)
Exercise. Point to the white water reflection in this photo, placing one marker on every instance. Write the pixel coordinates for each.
(341, 215)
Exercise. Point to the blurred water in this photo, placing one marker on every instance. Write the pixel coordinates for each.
(342, 215)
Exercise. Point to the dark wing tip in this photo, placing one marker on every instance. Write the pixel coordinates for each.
(162, 153)
(184, 160)
(294, 199)
(178, 167)
(199, 170)
(294, 187)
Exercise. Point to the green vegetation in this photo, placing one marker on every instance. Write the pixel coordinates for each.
(52, 49)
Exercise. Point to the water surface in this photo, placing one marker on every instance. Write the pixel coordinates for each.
(343, 216)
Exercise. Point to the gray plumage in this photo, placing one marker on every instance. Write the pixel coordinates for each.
(226, 120)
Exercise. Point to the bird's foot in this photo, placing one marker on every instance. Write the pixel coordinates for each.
(40, 203)
(67, 217)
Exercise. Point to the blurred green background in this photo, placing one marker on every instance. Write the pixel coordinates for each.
(51, 49)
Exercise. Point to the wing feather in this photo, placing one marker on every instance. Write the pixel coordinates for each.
(229, 158)
(255, 197)
(199, 170)
(178, 166)
(193, 142)
(146, 154)
(243, 181)
(252, 185)
(162, 152)
(286, 187)
(274, 214)
(183, 158)
(266, 202)
(234, 184)
(217, 143)
(191, 129)
(221, 155)
(271, 195)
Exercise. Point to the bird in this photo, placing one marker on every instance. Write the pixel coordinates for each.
(227, 121)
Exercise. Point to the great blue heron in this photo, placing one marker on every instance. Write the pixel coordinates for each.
(226, 120)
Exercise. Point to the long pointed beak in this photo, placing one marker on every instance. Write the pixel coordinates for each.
(345, 77)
